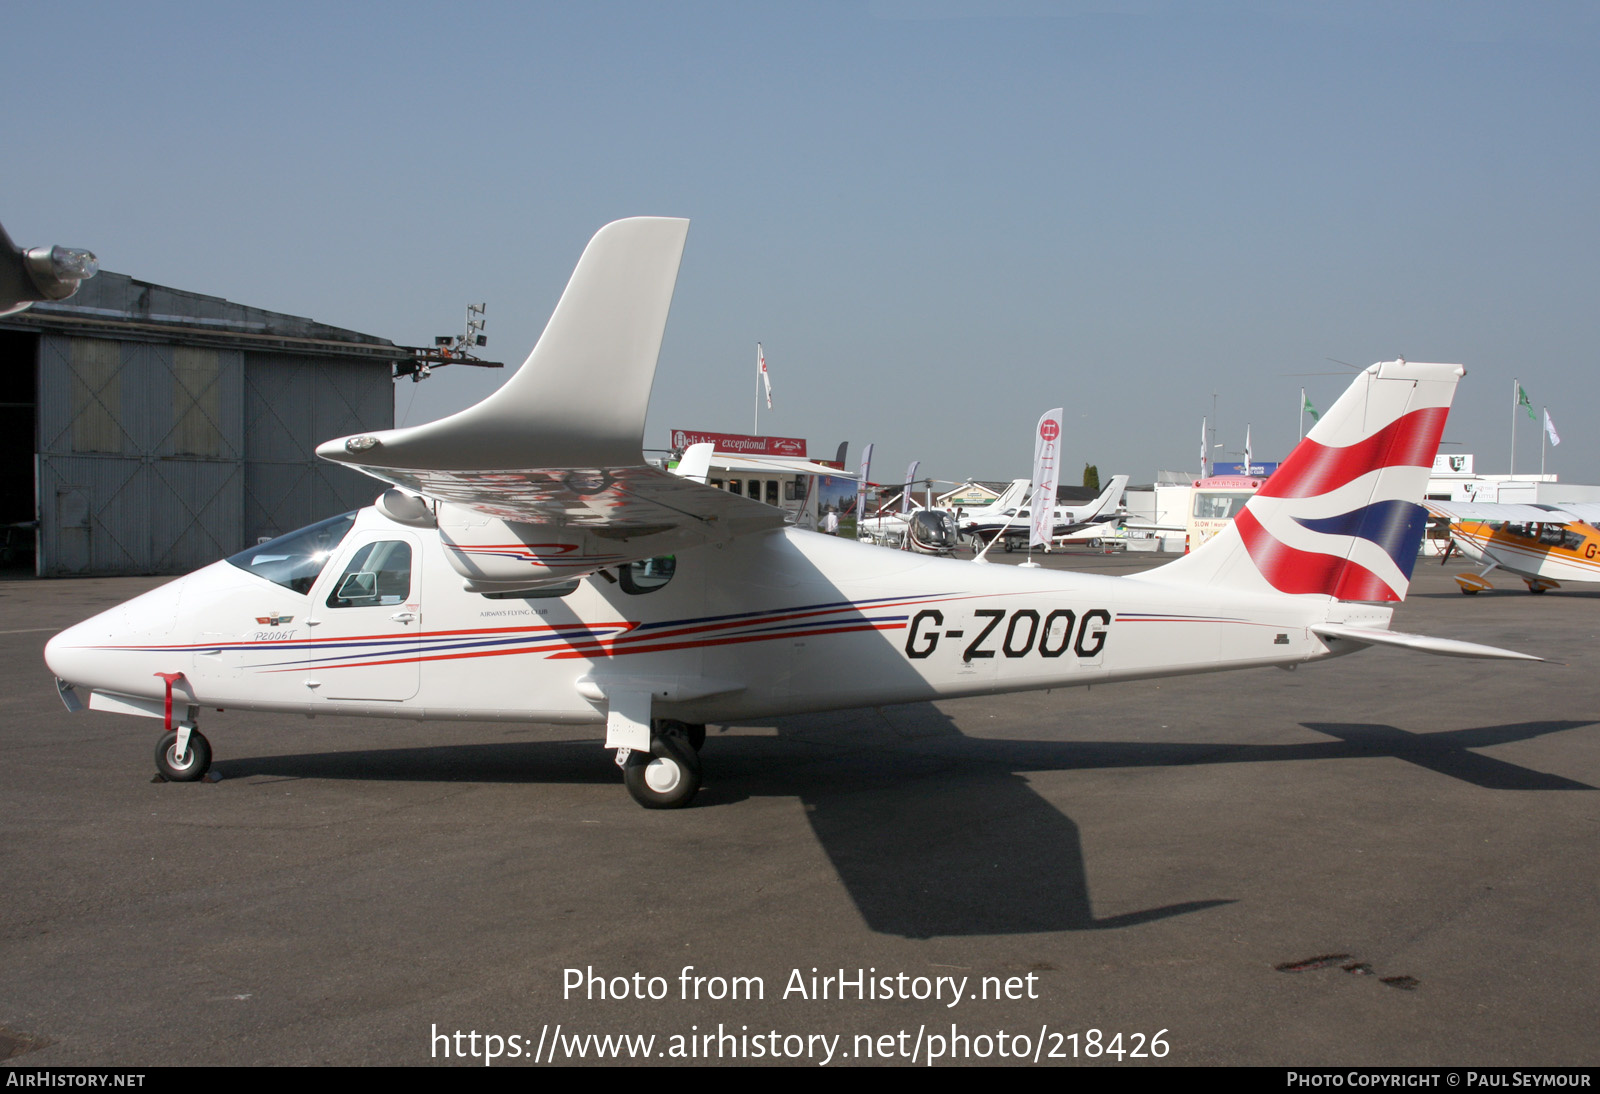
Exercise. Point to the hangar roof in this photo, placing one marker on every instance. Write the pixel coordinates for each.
(113, 305)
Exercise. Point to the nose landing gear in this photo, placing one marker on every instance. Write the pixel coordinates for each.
(183, 756)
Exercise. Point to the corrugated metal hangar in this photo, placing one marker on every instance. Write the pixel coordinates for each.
(148, 430)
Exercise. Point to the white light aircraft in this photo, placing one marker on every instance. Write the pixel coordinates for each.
(1008, 515)
(528, 565)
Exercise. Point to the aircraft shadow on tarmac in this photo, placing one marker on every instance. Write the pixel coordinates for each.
(935, 833)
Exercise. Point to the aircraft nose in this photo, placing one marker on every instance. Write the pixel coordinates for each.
(65, 656)
(96, 652)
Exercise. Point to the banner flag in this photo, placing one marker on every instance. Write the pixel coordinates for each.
(861, 489)
(1046, 472)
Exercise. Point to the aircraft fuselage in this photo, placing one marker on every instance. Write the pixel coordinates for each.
(778, 622)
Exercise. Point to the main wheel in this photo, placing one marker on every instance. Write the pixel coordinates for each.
(1468, 592)
(188, 768)
(668, 778)
(1536, 589)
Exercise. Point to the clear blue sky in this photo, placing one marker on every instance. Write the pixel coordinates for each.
(941, 218)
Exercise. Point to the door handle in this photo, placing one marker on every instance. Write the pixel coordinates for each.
(404, 617)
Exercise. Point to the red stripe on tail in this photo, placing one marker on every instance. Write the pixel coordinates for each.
(1411, 440)
(1291, 570)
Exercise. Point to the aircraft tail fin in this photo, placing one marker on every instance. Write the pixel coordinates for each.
(579, 400)
(1342, 516)
(1107, 502)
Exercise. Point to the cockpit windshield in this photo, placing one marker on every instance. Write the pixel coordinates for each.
(295, 560)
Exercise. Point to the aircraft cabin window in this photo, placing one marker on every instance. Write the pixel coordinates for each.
(647, 575)
(296, 560)
(378, 574)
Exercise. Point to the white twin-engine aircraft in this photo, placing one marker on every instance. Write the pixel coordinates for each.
(1007, 515)
(528, 565)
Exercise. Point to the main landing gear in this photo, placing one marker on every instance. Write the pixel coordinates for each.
(668, 777)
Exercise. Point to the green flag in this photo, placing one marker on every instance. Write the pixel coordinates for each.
(1309, 409)
(1522, 401)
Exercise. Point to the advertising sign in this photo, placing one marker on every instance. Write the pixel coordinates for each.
(1046, 471)
(742, 444)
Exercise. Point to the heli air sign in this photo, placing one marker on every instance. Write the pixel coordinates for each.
(1046, 471)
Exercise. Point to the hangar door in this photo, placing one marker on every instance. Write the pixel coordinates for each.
(140, 461)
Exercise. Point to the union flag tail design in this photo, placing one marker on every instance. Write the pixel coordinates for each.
(1341, 518)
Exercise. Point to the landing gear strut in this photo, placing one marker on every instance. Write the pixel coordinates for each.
(694, 733)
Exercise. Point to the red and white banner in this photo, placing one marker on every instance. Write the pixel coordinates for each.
(742, 444)
(1046, 473)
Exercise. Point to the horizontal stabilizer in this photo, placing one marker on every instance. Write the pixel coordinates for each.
(1447, 647)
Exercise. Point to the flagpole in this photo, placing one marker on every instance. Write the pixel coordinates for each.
(1541, 443)
(755, 429)
(1516, 386)
(1302, 414)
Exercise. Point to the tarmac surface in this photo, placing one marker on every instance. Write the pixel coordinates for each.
(1387, 858)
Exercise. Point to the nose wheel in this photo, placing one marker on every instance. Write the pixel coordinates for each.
(668, 777)
(185, 765)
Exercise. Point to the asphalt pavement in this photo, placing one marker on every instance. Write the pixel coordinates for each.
(1387, 858)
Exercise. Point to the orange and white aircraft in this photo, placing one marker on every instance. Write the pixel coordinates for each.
(1542, 544)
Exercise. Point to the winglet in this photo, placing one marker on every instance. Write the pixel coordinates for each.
(579, 400)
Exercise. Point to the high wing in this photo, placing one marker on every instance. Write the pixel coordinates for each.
(546, 479)
(1587, 512)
